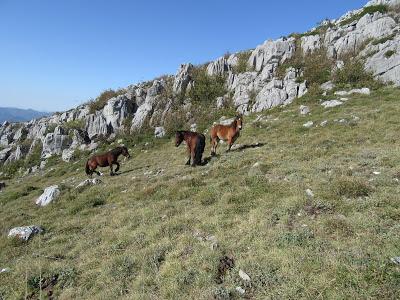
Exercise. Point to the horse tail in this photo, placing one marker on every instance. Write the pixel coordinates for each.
(87, 168)
(200, 145)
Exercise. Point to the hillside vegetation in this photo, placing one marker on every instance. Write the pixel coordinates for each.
(160, 229)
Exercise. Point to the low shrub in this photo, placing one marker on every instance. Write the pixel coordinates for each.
(206, 88)
(101, 100)
(242, 66)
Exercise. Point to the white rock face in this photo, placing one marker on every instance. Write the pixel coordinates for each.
(25, 233)
(49, 194)
(67, 154)
(272, 52)
(310, 43)
(117, 110)
(159, 132)
(55, 143)
(5, 153)
(327, 86)
(218, 67)
(331, 103)
(182, 78)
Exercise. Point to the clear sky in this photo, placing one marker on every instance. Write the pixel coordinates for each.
(56, 54)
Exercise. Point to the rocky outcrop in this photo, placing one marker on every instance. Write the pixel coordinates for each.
(55, 143)
(182, 78)
(272, 52)
(218, 67)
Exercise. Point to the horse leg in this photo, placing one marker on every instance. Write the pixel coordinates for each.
(117, 169)
(111, 170)
(189, 156)
(214, 146)
(230, 142)
(193, 157)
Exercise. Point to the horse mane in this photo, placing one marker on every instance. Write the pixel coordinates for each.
(117, 150)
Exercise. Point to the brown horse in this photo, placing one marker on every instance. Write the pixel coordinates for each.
(109, 158)
(228, 133)
(195, 145)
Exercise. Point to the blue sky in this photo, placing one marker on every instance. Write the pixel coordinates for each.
(57, 54)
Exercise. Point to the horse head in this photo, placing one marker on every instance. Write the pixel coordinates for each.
(239, 121)
(178, 138)
(125, 152)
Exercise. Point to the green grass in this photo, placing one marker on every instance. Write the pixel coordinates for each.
(133, 236)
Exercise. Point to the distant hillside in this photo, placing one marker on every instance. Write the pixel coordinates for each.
(12, 114)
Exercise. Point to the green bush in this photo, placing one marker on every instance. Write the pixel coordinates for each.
(175, 120)
(101, 100)
(242, 66)
(76, 124)
(390, 53)
(206, 88)
(353, 74)
(350, 187)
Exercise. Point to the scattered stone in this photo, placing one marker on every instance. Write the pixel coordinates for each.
(159, 132)
(304, 110)
(4, 270)
(395, 260)
(377, 173)
(309, 193)
(42, 164)
(25, 233)
(193, 127)
(309, 124)
(363, 91)
(206, 238)
(324, 123)
(240, 290)
(331, 103)
(243, 275)
(87, 182)
(49, 194)
(327, 86)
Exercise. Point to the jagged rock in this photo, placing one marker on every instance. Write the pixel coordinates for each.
(218, 67)
(15, 155)
(147, 107)
(182, 78)
(67, 154)
(117, 110)
(79, 137)
(193, 127)
(20, 134)
(49, 194)
(6, 139)
(383, 2)
(25, 233)
(272, 52)
(240, 290)
(96, 125)
(304, 110)
(5, 153)
(55, 143)
(159, 132)
(310, 43)
(87, 182)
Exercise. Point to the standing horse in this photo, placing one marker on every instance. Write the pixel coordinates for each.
(109, 158)
(195, 145)
(227, 133)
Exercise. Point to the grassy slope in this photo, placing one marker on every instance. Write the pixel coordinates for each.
(133, 235)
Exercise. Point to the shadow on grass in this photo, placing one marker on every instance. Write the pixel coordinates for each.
(251, 146)
(131, 170)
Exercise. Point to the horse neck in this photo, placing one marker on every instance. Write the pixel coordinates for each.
(234, 125)
(117, 151)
